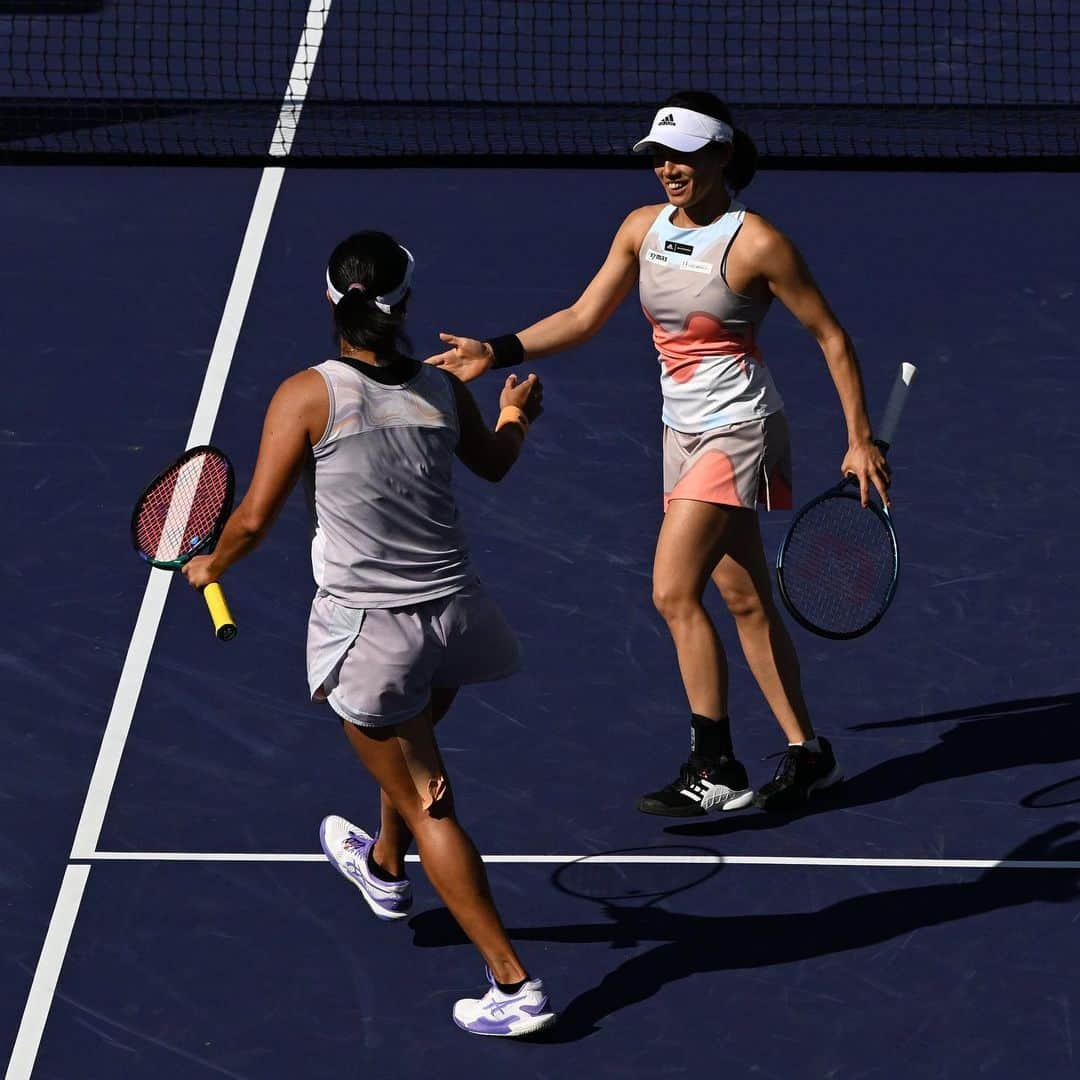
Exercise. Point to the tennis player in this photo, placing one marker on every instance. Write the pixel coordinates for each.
(399, 620)
(707, 270)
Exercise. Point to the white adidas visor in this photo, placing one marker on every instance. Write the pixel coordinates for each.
(684, 130)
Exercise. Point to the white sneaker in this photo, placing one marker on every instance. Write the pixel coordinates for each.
(348, 847)
(506, 1015)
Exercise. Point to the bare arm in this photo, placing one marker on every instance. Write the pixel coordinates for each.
(295, 419)
(491, 453)
(790, 281)
(467, 358)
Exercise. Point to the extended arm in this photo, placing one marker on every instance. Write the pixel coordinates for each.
(293, 414)
(491, 453)
(468, 357)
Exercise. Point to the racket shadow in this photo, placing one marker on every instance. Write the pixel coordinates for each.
(684, 946)
(983, 739)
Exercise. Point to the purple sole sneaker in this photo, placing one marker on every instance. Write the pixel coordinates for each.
(506, 1015)
(347, 847)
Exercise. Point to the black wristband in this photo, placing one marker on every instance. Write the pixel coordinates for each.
(507, 350)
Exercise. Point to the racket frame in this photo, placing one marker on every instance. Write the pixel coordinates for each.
(885, 434)
(220, 615)
(211, 537)
(846, 489)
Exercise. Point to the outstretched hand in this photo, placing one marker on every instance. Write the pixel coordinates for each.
(466, 358)
(527, 394)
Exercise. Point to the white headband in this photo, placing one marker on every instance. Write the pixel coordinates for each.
(386, 301)
(685, 130)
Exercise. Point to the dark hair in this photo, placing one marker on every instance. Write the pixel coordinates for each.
(375, 262)
(740, 169)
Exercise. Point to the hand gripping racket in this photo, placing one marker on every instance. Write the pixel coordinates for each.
(181, 514)
(838, 565)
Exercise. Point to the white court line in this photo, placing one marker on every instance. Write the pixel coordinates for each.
(146, 625)
(47, 973)
(129, 687)
(185, 488)
(202, 426)
(303, 67)
(726, 860)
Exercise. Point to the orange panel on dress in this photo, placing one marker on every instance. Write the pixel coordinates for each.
(711, 479)
(702, 336)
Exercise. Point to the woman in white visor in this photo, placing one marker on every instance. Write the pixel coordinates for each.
(707, 269)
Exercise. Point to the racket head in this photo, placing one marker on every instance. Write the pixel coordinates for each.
(839, 564)
(182, 510)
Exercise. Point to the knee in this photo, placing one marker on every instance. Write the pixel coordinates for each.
(674, 604)
(744, 603)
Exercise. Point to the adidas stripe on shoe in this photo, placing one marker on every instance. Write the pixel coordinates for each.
(699, 787)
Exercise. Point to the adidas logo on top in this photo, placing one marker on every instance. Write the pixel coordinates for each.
(668, 121)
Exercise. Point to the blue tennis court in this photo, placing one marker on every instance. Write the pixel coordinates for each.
(166, 910)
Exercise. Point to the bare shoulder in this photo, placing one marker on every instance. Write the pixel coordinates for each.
(301, 402)
(646, 214)
(305, 387)
(637, 223)
(761, 239)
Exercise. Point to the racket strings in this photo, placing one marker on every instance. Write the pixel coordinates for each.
(839, 565)
(183, 507)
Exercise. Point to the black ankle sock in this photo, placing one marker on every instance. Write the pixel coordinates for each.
(379, 872)
(511, 988)
(710, 740)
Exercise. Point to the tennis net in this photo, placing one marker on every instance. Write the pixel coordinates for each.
(918, 82)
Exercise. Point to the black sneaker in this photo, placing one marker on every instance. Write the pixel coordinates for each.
(800, 773)
(701, 786)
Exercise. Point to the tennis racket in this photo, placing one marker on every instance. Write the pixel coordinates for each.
(181, 514)
(839, 563)
(627, 882)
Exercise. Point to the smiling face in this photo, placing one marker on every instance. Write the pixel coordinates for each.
(693, 179)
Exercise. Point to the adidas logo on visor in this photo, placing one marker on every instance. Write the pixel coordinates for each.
(668, 121)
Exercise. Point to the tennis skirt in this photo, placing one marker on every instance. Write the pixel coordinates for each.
(377, 666)
(746, 464)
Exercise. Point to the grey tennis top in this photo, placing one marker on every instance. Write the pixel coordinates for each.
(712, 372)
(386, 530)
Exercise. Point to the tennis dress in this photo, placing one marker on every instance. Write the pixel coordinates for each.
(398, 607)
(725, 436)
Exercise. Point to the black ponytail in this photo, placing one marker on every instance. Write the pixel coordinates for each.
(742, 165)
(366, 265)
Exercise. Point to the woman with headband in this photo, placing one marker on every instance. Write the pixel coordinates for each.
(399, 620)
(707, 269)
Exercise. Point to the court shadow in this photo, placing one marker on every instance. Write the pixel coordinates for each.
(984, 739)
(1060, 793)
(690, 945)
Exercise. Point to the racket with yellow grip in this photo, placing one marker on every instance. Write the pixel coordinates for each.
(181, 514)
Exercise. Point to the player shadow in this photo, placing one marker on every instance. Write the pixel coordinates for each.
(984, 739)
(690, 945)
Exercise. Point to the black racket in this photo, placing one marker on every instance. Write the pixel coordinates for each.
(839, 563)
(626, 882)
(180, 515)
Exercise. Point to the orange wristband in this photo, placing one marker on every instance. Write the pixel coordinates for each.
(511, 414)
